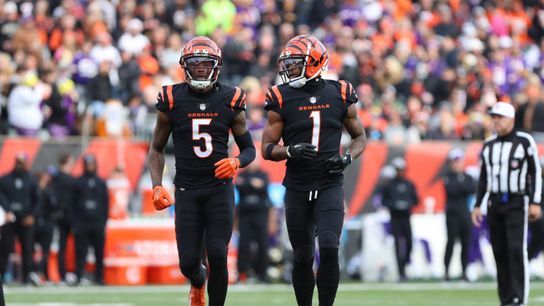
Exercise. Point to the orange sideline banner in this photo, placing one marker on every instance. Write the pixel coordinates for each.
(139, 252)
(144, 251)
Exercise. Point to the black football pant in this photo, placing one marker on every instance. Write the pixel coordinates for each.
(7, 246)
(64, 230)
(94, 237)
(402, 233)
(253, 227)
(458, 226)
(43, 235)
(204, 217)
(309, 214)
(2, 300)
(508, 235)
(537, 238)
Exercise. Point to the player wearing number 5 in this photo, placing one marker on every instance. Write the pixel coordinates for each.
(308, 113)
(199, 115)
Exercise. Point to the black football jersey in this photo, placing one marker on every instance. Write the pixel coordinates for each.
(312, 114)
(200, 129)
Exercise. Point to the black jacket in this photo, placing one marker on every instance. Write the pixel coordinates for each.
(47, 206)
(252, 196)
(20, 190)
(459, 186)
(400, 195)
(99, 88)
(4, 202)
(92, 202)
(64, 186)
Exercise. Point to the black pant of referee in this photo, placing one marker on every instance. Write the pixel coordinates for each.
(507, 219)
(2, 300)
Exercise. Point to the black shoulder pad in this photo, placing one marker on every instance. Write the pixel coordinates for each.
(274, 100)
(349, 96)
(238, 100)
(165, 99)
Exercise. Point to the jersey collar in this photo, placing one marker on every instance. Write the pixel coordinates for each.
(314, 84)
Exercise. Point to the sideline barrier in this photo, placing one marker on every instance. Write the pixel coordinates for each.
(141, 252)
(426, 162)
(378, 263)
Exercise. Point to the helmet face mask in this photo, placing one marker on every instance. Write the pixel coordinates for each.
(302, 59)
(201, 60)
(201, 70)
(292, 69)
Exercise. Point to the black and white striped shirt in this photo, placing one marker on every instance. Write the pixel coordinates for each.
(509, 164)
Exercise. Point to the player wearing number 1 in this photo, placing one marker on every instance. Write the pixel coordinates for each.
(199, 114)
(308, 113)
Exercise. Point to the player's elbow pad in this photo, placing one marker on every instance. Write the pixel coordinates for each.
(247, 149)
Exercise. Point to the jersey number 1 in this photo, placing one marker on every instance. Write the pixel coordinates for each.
(316, 118)
(197, 135)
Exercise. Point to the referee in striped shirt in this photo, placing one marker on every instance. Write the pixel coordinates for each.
(510, 185)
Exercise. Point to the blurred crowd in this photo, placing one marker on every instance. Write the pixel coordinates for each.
(425, 69)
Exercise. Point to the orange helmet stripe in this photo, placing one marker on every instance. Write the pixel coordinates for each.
(297, 47)
(278, 95)
(301, 43)
(201, 43)
(311, 50)
(305, 40)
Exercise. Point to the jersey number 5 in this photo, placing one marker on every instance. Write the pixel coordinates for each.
(316, 118)
(197, 135)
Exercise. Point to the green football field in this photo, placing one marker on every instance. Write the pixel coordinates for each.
(416, 294)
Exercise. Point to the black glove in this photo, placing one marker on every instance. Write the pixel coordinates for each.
(338, 163)
(302, 151)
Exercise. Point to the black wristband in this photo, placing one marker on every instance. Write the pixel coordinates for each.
(247, 149)
(269, 149)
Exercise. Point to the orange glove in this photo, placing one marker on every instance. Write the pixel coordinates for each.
(226, 168)
(161, 198)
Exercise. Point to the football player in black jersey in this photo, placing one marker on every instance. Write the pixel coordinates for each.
(199, 114)
(308, 113)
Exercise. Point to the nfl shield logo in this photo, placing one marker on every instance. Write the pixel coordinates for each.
(202, 106)
(514, 164)
(313, 100)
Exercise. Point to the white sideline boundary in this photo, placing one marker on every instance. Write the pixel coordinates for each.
(250, 288)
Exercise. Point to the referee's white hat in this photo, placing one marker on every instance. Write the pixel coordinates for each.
(503, 109)
(398, 163)
(456, 154)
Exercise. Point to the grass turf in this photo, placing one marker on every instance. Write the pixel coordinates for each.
(416, 294)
